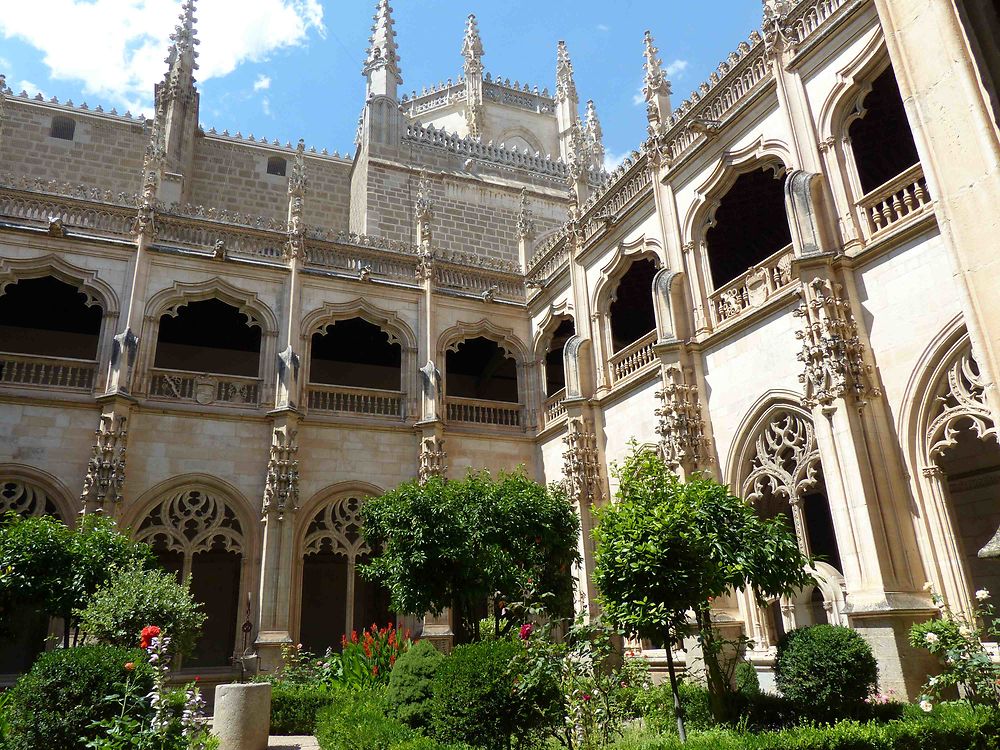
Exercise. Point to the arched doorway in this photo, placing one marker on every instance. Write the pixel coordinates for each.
(336, 598)
(195, 532)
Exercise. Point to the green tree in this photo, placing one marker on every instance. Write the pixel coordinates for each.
(667, 547)
(456, 543)
(46, 565)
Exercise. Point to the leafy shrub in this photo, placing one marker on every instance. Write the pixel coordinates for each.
(747, 682)
(411, 684)
(66, 690)
(657, 708)
(294, 706)
(473, 698)
(826, 671)
(133, 598)
(357, 720)
(367, 661)
(949, 727)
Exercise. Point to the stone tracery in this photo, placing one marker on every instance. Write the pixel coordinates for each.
(190, 521)
(960, 396)
(25, 499)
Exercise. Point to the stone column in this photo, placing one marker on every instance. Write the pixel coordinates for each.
(952, 124)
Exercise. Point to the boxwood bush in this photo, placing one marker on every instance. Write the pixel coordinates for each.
(826, 671)
(411, 684)
(294, 706)
(54, 704)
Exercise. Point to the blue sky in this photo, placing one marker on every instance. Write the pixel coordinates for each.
(290, 69)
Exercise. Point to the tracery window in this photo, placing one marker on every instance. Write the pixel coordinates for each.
(336, 599)
(197, 533)
(25, 499)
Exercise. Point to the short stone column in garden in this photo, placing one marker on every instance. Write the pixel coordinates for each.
(242, 716)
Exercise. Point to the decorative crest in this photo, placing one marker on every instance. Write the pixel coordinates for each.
(565, 85)
(472, 45)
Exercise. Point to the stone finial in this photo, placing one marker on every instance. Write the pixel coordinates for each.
(594, 135)
(525, 217)
(656, 87)
(178, 83)
(297, 183)
(565, 85)
(472, 44)
(382, 61)
(424, 205)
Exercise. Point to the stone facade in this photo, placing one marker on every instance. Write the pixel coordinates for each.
(787, 285)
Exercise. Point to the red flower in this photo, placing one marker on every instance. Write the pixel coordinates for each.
(586, 696)
(526, 630)
(197, 678)
(129, 666)
(148, 634)
(375, 670)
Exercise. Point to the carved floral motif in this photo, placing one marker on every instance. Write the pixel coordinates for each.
(961, 399)
(680, 427)
(581, 467)
(281, 487)
(106, 467)
(433, 458)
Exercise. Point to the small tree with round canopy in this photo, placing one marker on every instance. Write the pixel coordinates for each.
(667, 547)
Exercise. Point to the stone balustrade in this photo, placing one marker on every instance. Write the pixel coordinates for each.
(337, 399)
(753, 288)
(633, 358)
(203, 388)
(902, 197)
(554, 408)
(477, 411)
(48, 372)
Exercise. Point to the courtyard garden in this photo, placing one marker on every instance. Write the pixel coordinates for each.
(527, 670)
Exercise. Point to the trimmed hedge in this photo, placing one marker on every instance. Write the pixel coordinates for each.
(948, 727)
(54, 704)
(357, 720)
(294, 706)
(411, 684)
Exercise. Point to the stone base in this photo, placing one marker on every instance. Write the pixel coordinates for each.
(902, 669)
(269, 644)
(242, 716)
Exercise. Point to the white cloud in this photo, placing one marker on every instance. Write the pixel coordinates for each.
(31, 88)
(116, 49)
(265, 105)
(4, 63)
(263, 83)
(603, 27)
(613, 161)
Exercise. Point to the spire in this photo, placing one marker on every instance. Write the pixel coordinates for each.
(565, 86)
(472, 45)
(178, 83)
(594, 134)
(382, 64)
(656, 87)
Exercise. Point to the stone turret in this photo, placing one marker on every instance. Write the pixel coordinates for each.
(472, 51)
(656, 87)
(177, 105)
(382, 63)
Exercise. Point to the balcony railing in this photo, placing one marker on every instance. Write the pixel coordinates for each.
(633, 358)
(47, 372)
(554, 408)
(902, 197)
(203, 388)
(754, 288)
(476, 411)
(337, 399)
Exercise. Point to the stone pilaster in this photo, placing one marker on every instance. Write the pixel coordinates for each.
(585, 487)
(680, 425)
(103, 485)
(288, 387)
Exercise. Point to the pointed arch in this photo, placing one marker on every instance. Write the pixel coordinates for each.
(169, 301)
(97, 291)
(642, 247)
(29, 491)
(318, 320)
(844, 103)
(512, 346)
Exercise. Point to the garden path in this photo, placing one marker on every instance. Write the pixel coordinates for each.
(276, 742)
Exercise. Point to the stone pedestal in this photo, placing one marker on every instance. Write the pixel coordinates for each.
(243, 716)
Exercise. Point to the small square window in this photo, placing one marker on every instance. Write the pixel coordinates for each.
(63, 128)
(276, 165)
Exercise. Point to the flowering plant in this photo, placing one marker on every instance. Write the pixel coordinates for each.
(367, 659)
(163, 719)
(957, 640)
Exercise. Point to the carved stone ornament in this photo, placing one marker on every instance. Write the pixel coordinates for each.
(775, 24)
(106, 467)
(680, 427)
(25, 499)
(433, 458)
(191, 521)
(525, 217)
(581, 468)
(336, 528)
(961, 399)
(281, 486)
(786, 466)
(832, 353)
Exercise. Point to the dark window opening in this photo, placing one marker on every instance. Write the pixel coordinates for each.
(209, 336)
(555, 370)
(355, 353)
(63, 128)
(632, 315)
(982, 26)
(819, 525)
(480, 369)
(48, 317)
(882, 142)
(750, 226)
(215, 582)
(276, 165)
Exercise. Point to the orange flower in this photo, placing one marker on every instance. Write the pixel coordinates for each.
(129, 666)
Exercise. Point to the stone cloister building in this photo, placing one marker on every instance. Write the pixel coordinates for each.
(228, 344)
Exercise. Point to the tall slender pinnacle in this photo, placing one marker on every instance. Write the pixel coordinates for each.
(472, 45)
(178, 83)
(382, 63)
(565, 85)
(595, 135)
(656, 87)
